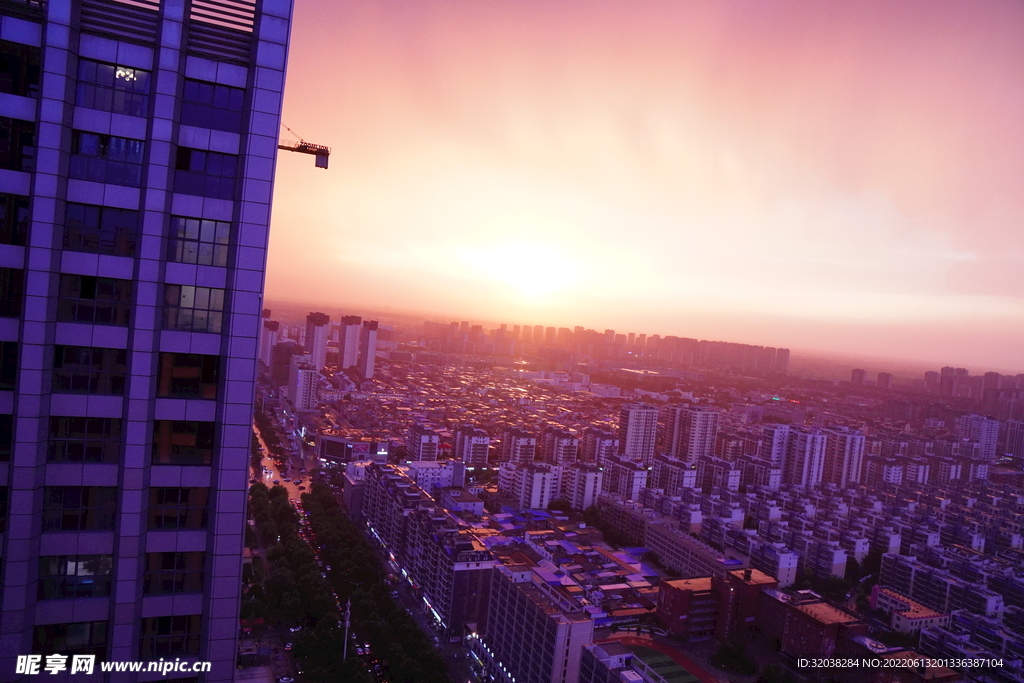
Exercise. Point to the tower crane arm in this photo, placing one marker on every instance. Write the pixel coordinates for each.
(321, 152)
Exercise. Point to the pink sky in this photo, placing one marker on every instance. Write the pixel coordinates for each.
(836, 176)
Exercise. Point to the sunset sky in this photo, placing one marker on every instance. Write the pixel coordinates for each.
(846, 177)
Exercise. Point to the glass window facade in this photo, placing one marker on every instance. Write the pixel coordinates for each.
(100, 229)
(199, 241)
(174, 573)
(193, 309)
(84, 439)
(89, 370)
(211, 105)
(106, 159)
(113, 88)
(74, 576)
(95, 300)
(206, 174)
(183, 442)
(188, 375)
(79, 508)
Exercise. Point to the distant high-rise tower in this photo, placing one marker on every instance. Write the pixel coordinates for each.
(858, 376)
(638, 428)
(303, 383)
(598, 445)
(518, 446)
(782, 361)
(844, 456)
(805, 457)
(368, 349)
(422, 442)
(981, 429)
(884, 380)
(559, 446)
(1015, 438)
(472, 445)
(317, 331)
(348, 336)
(268, 340)
(692, 432)
(774, 440)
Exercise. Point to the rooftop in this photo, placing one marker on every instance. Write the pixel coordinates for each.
(756, 576)
(699, 584)
(826, 614)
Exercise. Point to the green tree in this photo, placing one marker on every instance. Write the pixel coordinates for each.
(732, 656)
(775, 673)
(560, 505)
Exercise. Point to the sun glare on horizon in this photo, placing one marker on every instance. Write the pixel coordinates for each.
(534, 272)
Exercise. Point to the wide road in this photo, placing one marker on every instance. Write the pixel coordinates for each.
(292, 471)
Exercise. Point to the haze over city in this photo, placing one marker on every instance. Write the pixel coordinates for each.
(600, 341)
(813, 175)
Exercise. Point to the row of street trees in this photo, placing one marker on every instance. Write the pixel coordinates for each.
(357, 573)
(295, 593)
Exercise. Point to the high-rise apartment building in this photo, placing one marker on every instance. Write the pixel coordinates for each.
(774, 440)
(805, 457)
(268, 340)
(348, 336)
(518, 446)
(367, 349)
(472, 446)
(581, 484)
(627, 478)
(531, 485)
(422, 442)
(303, 383)
(137, 192)
(535, 630)
(692, 431)
(982, 430)
(844, 456)
(598, 445)
(672, 475)
(559, 446)
(638, 428)
(1015, 438)
(317, 331)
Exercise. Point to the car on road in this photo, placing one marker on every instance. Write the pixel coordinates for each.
(287, 647)
(277, 482)
(286, 679)
(302, 488)
(359, 651)
(295, 629)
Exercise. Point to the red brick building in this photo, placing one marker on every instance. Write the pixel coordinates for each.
(688, 607)
(804, 624)
(738, 598)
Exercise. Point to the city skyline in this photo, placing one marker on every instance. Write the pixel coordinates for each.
(814, 177)
(810, 363)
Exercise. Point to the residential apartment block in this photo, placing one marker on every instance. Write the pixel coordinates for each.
(136, 202)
